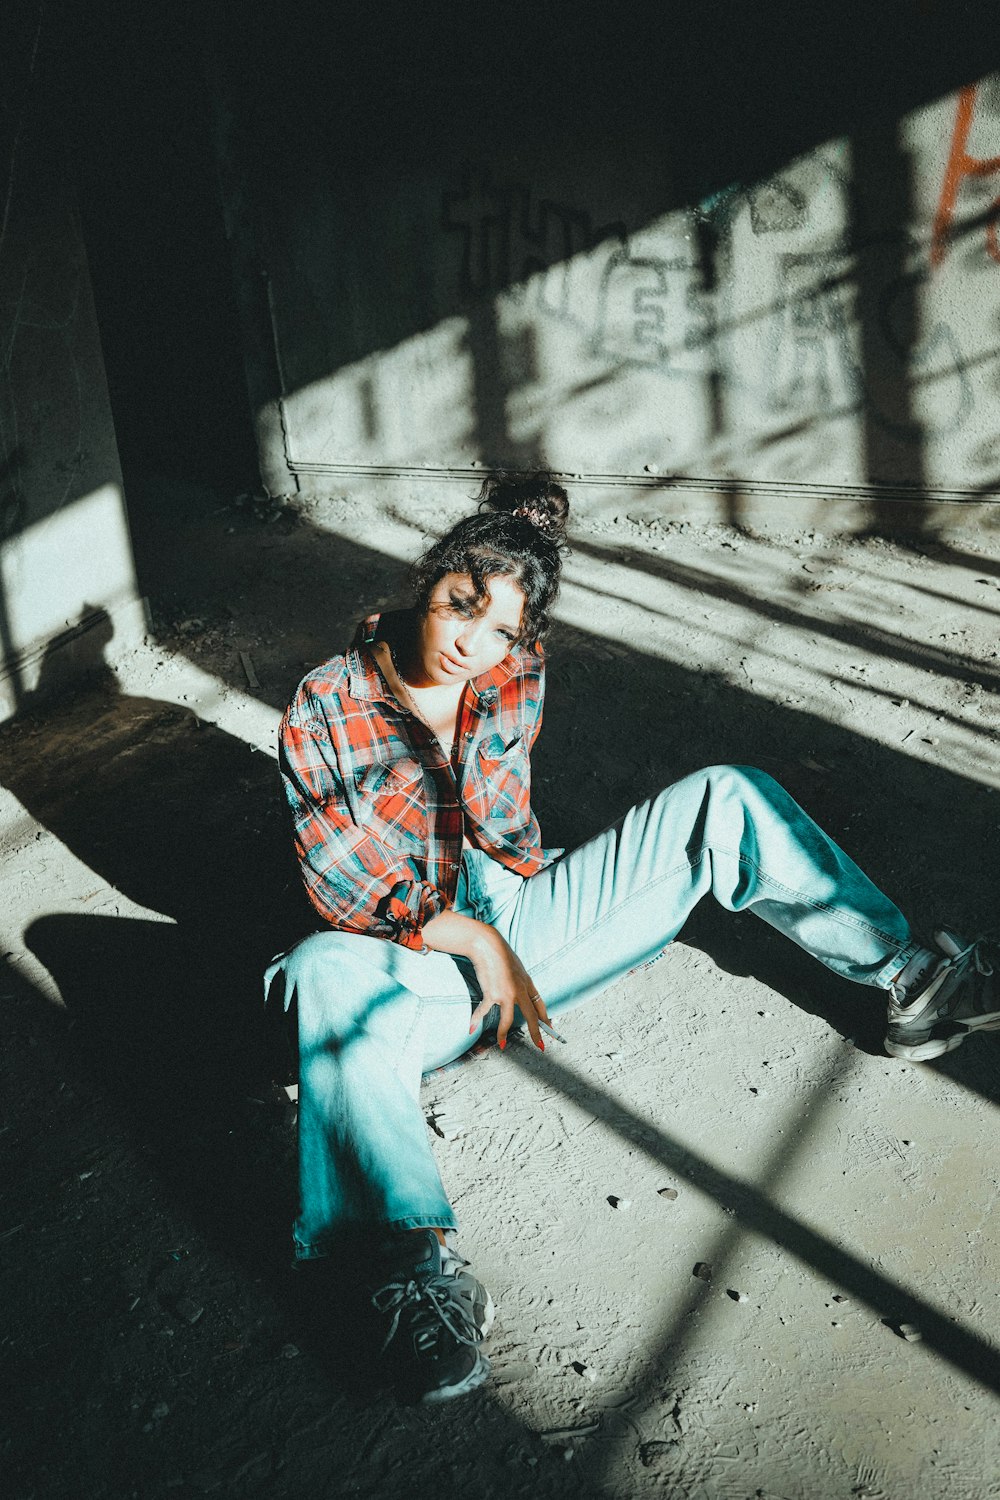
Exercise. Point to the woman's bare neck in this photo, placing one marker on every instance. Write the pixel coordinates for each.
(436, 706)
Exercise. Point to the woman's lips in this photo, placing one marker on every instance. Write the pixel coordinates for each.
(451, 666)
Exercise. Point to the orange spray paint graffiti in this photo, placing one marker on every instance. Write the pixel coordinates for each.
(960, 166)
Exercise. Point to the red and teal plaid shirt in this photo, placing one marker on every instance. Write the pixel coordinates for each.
(380, 810)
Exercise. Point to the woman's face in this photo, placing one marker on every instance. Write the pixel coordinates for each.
(458, 639)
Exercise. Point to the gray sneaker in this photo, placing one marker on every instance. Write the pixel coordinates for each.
(438, 1315)
(961, 995)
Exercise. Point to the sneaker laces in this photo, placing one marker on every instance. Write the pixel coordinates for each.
(429, 1298)
(982, 963)
(973, 955)
(974, 958)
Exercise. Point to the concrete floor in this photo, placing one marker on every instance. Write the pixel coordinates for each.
(160, 1343)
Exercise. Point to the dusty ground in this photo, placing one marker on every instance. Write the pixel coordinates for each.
(156, 1339)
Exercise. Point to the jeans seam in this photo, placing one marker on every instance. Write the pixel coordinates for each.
(817, 905)
(621, 906)
(420, 1001)
(742, 859)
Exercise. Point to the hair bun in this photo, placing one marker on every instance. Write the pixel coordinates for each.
(535, 498)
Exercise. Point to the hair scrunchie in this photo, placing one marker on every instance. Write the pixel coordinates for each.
(536, 517)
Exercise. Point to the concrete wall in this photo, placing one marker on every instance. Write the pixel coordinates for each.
(827, 329)
(67, 584)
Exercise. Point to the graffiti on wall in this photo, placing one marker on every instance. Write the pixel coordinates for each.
(651, 311)
(656, 313)
(811, 326)
(510, 236)
(961, 167)
(767, 290)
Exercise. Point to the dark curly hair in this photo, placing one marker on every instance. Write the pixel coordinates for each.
(518, 533)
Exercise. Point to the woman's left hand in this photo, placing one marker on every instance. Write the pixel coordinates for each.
(503, 979)
(506, 983)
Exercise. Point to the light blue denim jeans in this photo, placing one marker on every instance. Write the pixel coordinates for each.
(373, 1016)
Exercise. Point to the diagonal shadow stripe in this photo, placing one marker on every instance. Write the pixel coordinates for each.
(965, 1350)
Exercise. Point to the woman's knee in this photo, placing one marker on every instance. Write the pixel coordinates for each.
(317, 960)
(730, 779)
(739, 774)
(726, 791)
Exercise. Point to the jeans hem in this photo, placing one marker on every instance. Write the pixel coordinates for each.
(374, 1230)
(895, 964)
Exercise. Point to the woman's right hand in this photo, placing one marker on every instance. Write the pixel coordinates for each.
(506, 983)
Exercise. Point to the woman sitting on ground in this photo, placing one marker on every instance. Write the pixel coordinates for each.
(406, 765)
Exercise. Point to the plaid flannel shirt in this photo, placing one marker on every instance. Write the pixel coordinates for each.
(379, 810)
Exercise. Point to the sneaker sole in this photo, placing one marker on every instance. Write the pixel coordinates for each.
(936, 1046)
(924, 1051)
(489, 1315)
(472, 1382)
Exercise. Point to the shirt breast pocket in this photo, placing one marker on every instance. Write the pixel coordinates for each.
(502, 778)
(390, 803)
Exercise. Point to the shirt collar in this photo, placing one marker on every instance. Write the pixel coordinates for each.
(366, 681)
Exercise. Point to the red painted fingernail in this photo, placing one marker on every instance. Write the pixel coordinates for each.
(472, 1028)
(541, 1045)
(501, 1042)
